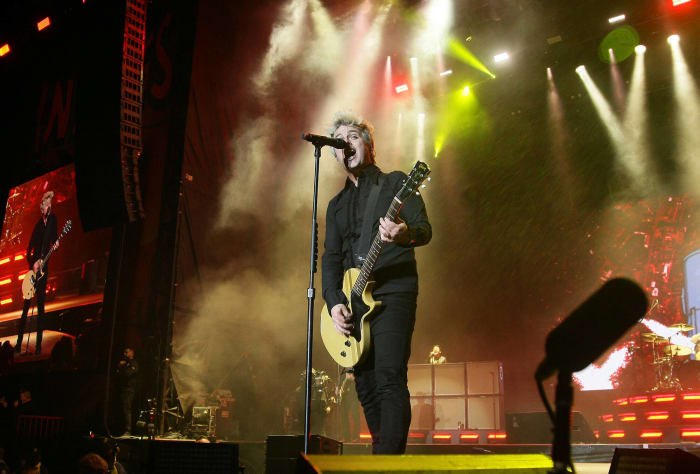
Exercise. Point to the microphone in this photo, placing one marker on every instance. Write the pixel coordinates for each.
(322, 140)
(593, 327)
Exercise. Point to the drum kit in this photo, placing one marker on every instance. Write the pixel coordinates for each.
(669, 359)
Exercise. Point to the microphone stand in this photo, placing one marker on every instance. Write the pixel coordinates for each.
(561, 446)
(311, 295)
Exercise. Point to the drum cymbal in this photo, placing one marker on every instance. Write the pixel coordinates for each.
(651, 337)
(676, 350)
(682, 327)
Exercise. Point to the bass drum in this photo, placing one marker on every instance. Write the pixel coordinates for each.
(689, 374)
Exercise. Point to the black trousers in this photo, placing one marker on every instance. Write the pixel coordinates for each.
(40, 297)
(127, 404)
(381, 379)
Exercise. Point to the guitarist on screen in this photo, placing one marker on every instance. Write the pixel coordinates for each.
(44, 236)
(381, 377)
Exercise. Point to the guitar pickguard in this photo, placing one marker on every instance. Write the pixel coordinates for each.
(358, 308)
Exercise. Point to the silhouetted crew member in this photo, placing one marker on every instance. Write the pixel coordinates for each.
(127, 372)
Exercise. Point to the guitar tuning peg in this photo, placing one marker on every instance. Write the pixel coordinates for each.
(423, 186)
(429, 178)
(417, 193)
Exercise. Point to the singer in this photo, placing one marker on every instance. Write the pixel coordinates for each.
(381, 380)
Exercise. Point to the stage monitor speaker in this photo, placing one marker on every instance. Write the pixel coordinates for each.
(189, 457)
(421, 413)
(654, 461)
(484, 378)
(536, 428)
(423, 464)
(420, 379)
(449, 379)
(450, 413)
(282, 451)
(484, 413)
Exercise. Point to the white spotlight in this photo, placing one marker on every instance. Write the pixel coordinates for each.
(580, 69)
(500, 57)
(616, 19)
(640, 49)
(401, 88)
(446, 73)
(549, 73)
(673, 39)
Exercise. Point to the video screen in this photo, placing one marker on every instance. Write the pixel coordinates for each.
(46, 260)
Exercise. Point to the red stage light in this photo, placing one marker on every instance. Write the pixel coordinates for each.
(5, 281)
(469, 436)
(19, 256)
(4, 260)
(663, 398)
(365, 436)
(6, 301)
(627, 417)
(617, 434)
(657, 415)
(691, 396)
(620, 401)
(45, 23)
(686, 414)
(608, 418)
(639, 399)
(416, 435)
(443, 436)
(496, 436)
(4, 49)
(651, 434)
(692, 433)
(21, 276)
(596, 433)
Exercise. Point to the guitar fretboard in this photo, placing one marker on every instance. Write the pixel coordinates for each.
(374, 251)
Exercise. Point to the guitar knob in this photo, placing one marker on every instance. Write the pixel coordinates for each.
(343, 353)
(347, 343)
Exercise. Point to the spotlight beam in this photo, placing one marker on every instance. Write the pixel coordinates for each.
(459, 51)
(687, 101)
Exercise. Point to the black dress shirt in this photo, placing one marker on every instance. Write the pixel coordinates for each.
(395, 270)
(43, 237)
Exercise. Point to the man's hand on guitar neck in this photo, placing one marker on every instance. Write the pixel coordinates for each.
(393, 231)
(37, 266)
(341, 316)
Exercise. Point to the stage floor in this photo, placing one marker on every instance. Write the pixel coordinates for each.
(588, 458)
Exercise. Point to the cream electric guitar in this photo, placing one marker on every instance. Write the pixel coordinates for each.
(350, 350)
(30, 278)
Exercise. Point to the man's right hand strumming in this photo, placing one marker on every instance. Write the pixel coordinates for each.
(36, 266)
(342, 319)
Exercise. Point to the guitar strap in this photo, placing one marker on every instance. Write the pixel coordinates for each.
(367, 221)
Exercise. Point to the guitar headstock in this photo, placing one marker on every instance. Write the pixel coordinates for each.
(415, 178)
(66, 227)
